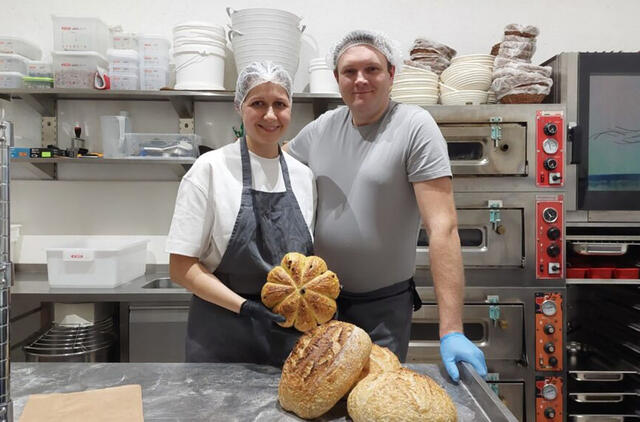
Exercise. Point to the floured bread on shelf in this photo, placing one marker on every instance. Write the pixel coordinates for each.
(322, 367)
(401, 395)
(302, 290)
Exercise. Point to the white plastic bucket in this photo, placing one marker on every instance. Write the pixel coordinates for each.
(200, 28)
(199, 66)
(321, 78)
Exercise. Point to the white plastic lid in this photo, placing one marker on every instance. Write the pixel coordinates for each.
(6, 38)
(14, 57)
(152, 37)
(11, 74)
(197, 24)
(117, 53)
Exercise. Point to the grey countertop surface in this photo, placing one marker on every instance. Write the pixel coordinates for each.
(196, 392)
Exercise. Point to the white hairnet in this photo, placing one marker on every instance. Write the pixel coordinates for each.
(376, 39)
(258, 73)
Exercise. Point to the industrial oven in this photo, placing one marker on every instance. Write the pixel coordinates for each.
(602, 242)
(509, 172)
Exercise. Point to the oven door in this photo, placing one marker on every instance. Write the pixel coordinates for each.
(472, 150)
(485, 244)
(500, 339)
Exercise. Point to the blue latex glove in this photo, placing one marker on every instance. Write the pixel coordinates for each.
(455, 347)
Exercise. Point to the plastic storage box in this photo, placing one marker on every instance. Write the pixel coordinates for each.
(80, 34)
(124, 41)
(35, 82)
(154, 78)
(11, 80)
(122, 61)
(96, 262)
(161, 145)
(13, 63)
(39, 69)
(15, 45)
(76, 69)
(124, 81)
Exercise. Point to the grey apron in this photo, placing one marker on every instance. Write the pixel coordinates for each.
(383, 313)
(268, 225)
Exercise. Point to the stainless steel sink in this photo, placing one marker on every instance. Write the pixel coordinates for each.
(162, 283)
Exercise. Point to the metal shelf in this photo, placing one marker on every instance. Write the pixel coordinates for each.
(43, 100)
(46, 168)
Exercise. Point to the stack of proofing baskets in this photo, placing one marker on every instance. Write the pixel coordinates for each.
(265, 34)
(199, 53)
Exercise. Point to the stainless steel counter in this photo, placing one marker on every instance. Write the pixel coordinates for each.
(229, 392)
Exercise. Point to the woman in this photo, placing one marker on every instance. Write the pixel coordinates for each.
(239, 210)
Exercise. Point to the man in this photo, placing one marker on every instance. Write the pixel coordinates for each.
(380, 166)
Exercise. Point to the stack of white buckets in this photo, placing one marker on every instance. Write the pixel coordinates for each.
(321, 77)
(199, 53)
(265, 34)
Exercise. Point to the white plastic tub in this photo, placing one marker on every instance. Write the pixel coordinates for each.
(161, 145)
(199, 66)
(96, 262)
(321, 78)
(11, 80)
(124, 41)
(154, 78)
(76, 69)
(124, 81)
(123, 59)
(13, 63)
(150, 46)
(15, 45)
(39, 69)
(80, 34)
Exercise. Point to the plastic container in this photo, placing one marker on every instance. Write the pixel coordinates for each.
(321, 78)
(76, 69)
(37, 82)
(113, 134)
(124, 81)
(199, 66)
(127, 60)
(600, 272)
(577, 272)
(124, 41)
(39, 69)
(11, 80)
(161, 145)
(15, 45)
(153, 50)
(197, 28)
(96, 262)
(627, 273)
(153, 78)
(13, 63)
(80, 34)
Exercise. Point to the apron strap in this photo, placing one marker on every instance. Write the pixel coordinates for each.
(246, 165)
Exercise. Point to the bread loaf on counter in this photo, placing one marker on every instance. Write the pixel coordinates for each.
(380, 360)
(322, 367)
(302, 290)
(401, 395)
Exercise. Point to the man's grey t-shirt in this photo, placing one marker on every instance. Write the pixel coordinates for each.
(367, 217)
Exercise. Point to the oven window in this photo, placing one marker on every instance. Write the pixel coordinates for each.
(469, 237)
(614, 133)
(428, 331)
(464, 150)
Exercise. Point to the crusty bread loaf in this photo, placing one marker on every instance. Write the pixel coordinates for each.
(302, 290)
(322, 367)
(380, 360)
(401, 395)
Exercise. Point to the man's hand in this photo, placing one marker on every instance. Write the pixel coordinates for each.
(455, 347)
(256, 310)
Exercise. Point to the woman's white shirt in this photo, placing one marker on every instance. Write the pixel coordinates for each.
(208, 200)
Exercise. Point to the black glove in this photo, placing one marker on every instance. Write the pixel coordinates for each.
(256, 310)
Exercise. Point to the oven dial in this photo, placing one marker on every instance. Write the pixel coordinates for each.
(550, 164)
(549, 308)
(549, 329)
(553, 233)
(549, 392)
(549, 413)
(553, 361)
(550, 129)
(550, 215)
(553, 250)
(550, 146)
(549, 348)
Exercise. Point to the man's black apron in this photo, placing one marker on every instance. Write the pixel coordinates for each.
(269, 224)
(383, 313)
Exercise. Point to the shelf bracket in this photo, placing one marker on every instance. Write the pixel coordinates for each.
(43, 171)
(49, 131)
(187, 126)
(43, 104)
(183, 106)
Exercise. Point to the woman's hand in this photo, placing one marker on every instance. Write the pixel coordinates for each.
(257, 310)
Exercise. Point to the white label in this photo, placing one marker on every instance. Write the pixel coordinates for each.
(79, 255)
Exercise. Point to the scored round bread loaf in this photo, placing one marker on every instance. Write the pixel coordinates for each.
(322, 367)
(380, 360)
(302, 290)
(401, 395)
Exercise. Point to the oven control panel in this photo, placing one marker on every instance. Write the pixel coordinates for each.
(549, 399)
(550, 149)
(549, 345)
(549, 237)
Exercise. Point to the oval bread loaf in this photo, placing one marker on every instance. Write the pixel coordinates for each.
(401, 395)
(302, 290)
(381, 359)
(322, 367)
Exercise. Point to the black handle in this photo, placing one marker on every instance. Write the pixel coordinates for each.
(573, 135)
